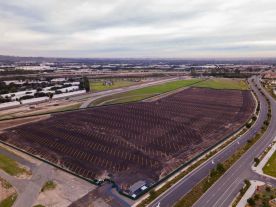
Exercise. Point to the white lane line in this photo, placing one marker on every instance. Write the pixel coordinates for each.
(225, 192)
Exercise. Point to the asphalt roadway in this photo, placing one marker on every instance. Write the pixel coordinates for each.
(94, 96)
(222, 193)
(226, 188)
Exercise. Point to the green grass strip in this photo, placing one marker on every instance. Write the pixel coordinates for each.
(143, 93)
(270, 167)
(223, 83)
(10, 166)
(8, 202)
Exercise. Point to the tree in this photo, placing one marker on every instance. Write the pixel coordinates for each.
(256, 160)
(193, 72)
(50, 95)
(86, 84)
(237, 71)
(268, 189)
(247, 182)
(248, 125)
(213, 173)
(220, 168)
(256, 197)
(251, 201)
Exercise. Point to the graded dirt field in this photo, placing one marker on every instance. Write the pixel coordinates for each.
(7, 193)
(136, 141)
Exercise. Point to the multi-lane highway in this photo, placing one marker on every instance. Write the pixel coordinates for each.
(223, 192)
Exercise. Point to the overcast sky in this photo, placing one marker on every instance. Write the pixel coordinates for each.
(138, 28)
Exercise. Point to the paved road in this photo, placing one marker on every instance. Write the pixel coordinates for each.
(170, 197)
(33, 186)
(27, 189)
(101, 94)
(222, 193)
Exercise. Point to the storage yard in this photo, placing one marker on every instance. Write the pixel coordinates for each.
(135, 141)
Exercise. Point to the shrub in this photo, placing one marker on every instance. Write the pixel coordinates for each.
(256, 160)
(251, 201)
(220, 168)
(268, 189)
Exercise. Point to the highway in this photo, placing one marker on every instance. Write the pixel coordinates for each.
(224, 191)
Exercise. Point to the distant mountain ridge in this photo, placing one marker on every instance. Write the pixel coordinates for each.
(244, 61)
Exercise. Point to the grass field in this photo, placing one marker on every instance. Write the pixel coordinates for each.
(96, 86)
(10, 166)
(223, 83)
(270, 168)
(144, 93)
(8, 202)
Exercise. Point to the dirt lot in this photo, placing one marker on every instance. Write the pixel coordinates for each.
(6, 190)
(68, 189)
(147, 140)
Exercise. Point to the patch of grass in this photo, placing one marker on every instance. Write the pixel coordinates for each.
(49, 185)
(223, 83)
(5, 184)
(143, 93)
(11, 166)
(125, 99)
(96, 86)
(270, 168)
(8, 202)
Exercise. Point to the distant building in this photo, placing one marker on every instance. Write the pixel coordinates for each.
(69, 89)
(72, 83)
(58, 80)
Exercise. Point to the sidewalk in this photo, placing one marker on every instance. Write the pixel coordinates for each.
(249, 192)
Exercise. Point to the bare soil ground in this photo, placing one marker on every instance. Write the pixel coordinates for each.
(138, 141)
(68, 189)
(6, 189)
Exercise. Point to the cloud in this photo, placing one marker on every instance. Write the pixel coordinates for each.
(138, 28)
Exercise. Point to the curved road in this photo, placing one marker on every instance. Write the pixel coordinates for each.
(233, 177)
(222, 193)
(102, 94)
